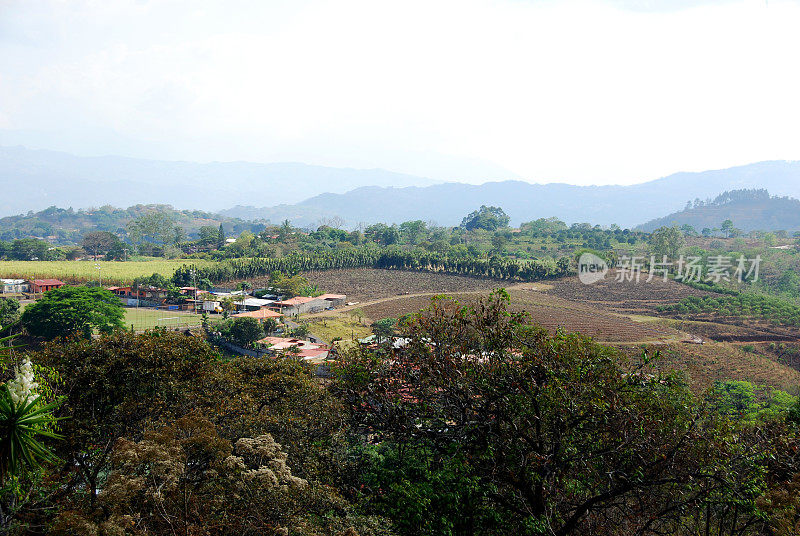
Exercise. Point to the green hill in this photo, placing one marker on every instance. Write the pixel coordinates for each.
(749, 210)
(66, 226)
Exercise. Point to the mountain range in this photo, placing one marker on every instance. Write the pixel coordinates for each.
(35, 179)
(32, 180)
(447, 204)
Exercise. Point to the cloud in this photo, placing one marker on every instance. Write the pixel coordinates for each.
(585, 92)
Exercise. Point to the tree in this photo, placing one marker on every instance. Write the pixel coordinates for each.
(99, 242)
(728, 228)
(487, 218)
(209, 235)
(244, 331)
(534, 433)
(155, 227)
(382, 234)
(666, 241)
(220, 236)
(68, 310)
(384, 329)
(9, 311)
(414, 232)
(501, 238)
(115, 387)
(29, 249)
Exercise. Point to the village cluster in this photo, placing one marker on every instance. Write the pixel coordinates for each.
(223, 302)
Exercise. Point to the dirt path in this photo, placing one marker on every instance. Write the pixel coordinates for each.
(334, 312)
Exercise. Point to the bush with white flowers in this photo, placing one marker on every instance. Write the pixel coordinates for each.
(21, 388)
(24, 420)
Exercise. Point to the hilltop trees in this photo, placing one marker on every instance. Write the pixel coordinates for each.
(487, 218)
(156, 228)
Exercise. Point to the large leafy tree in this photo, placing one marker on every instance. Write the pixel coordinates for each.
(70, 310)
(155, 227)
(164, 405)
(507, 429)
(29, 249)
(666, 241)
(100, 242)
(487, 218)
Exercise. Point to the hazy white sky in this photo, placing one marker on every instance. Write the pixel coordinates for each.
(615, 91)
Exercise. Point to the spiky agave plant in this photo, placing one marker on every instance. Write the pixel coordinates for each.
(24, 419)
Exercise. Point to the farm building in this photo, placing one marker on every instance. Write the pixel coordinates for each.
(334, 300)
(299, 305)
(122, 292)
(43, 285)
(13, 286)
(252, 304)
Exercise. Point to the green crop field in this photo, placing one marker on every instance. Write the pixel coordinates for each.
(142, 319)
(112, 272)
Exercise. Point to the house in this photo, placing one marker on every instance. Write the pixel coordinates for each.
(300, 305)
(13, 286)
(122, 292)
(38, 286)
(333, 300)
(189, 291)
(252, 304)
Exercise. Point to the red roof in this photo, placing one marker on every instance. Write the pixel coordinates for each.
(47, 282)
(332, 297)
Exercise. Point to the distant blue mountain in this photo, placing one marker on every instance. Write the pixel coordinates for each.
(32, 180)
(448, 203)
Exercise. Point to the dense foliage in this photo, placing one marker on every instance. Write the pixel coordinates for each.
(73, 310)
(484, 424)
(392, 259)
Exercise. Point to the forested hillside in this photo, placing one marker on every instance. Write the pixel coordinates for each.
(749, 210)
(67, 226)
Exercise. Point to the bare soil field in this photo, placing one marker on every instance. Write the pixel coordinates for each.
(552, 313)
(620, 314)
(751, 331)
(367, 284)
(623, 296)
(704, 364)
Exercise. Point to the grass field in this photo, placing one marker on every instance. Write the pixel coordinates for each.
(339, 326)
(113, 272)
(143, 319)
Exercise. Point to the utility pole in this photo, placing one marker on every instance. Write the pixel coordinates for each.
(99, 273)
(194, 286)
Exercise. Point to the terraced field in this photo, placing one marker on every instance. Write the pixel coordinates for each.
(620, 314)
(367, 284)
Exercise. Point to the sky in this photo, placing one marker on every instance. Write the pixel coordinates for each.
(583, 92)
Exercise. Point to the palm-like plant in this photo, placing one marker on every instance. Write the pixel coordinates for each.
(21, 426)
(23, 420)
